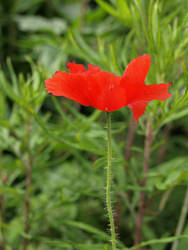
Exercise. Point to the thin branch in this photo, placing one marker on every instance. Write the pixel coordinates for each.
(3, 220)
(28, 169)
(27, 202)
(164, 199)
(181, 220)
(84, 7)
(4, 179)
(129, 142)
(162, 151)
(117, 213)
(129, 206)
(141, 208)
(130, 139)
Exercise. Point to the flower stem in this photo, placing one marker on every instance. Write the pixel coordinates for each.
(109, 181)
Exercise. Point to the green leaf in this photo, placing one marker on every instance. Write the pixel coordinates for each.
(108, 8)
(169, 174)
(100, 162)
(13, 76)
(183, 243)
(100, 234)
(68, 245)
(124, 11)
(85, 47)
(114, 60)
(59, 108)
(158, 241)
(175, 116)
(38, 23)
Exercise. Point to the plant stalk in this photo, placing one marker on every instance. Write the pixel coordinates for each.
(28, 173)
(109, 181)
(129, 142)
(141, 208)
(27, 202)
(2, 210)
(130, 139)
(162, 151)
(181, 220)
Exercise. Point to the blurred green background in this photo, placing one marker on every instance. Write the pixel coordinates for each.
(53, 151)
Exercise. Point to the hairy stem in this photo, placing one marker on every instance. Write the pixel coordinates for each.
(141, 207)
(181, 220)
(109, 182)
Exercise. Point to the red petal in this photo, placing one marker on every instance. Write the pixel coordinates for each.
(109, 94)
(155, 92)
(94, 88)
(147, 94)
(137, 69)
(137, 93)
(105, 91)
(68, 85)
(75, 68)
(93, 68)
(138, 109)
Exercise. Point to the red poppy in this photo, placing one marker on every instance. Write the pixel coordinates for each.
(106, 91)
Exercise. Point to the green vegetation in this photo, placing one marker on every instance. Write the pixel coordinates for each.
(53, 151)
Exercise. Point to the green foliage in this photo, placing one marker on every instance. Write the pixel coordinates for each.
(121, 11)
(177, 170)
(65, 144)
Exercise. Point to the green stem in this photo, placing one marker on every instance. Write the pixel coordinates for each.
(181, 220)
(109, 181)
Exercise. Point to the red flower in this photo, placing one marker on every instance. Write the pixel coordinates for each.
(105, 91)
